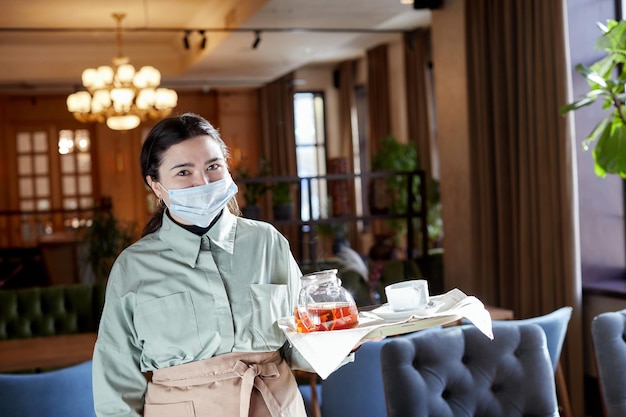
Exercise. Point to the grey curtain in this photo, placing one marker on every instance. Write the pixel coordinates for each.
(522, 166)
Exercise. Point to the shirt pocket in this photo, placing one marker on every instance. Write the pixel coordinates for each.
(269, 303)
(169, 329)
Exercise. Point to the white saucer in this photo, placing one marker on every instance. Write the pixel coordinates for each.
(386, 312)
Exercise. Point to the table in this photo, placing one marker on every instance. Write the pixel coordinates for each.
(46, 352)
(498, 313)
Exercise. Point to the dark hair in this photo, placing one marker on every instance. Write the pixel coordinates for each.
(162, 136)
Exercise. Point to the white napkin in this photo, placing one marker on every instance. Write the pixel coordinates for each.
(325, 350)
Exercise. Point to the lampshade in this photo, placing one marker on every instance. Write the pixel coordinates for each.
(127, 122)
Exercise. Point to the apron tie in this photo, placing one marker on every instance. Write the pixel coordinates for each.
(249, 374)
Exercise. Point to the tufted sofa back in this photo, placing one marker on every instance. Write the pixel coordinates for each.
(50, 311)
(458, 371)
(65, 392)
(608, 332)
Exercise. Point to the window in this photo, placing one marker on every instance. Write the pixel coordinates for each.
(311, 153)
(76, 181)
(33, 183)
(54, 189)
(33, 171)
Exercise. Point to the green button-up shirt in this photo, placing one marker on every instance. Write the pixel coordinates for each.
(174, 297)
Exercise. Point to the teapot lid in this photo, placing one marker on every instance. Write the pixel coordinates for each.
(320, 275)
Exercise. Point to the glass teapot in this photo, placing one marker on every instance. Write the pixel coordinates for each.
(323, 304)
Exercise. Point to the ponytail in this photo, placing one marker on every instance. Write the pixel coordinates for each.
(155, 221)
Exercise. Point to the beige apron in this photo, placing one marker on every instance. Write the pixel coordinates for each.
(230, 385)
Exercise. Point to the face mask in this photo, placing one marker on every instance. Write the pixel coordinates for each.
(200, 205)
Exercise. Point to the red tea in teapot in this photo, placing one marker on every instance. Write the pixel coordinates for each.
(327, 316)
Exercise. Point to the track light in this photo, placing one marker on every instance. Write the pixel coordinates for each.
(257, 39)
(203, 40)
(186, 39)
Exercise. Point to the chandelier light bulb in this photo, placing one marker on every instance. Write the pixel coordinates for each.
(146, 98)
(79, 102)
(105, 75)
(140, 80)
(125, 73)
(165, 98)
(152, 75)
(123, 122)
(122, 99)
(89, 77)
(101, 98)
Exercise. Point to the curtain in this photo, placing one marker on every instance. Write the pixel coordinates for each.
(378, 96)
(346, 71)
(522, 166)
(277, 125)
(419, 95)
(379, 119)
(342, 192)
(279, 142)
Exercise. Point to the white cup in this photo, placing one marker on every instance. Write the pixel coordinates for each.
(407, 295)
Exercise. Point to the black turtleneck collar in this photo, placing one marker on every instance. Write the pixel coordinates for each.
(197, 230)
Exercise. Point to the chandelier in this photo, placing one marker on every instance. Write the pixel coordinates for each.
(119, 95)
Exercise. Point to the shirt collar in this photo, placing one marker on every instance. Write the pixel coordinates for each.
(187, 245)
(222, 234)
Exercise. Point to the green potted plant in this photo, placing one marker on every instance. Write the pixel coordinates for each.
(606, 83)
(106, 237)
(282, 205)
(253, 191)
(390, 195)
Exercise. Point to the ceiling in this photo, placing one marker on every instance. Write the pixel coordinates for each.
(46, 44)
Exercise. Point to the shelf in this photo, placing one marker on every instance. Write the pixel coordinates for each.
(416, 211)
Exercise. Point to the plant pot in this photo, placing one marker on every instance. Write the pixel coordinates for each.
(251, 212)
(282, 211)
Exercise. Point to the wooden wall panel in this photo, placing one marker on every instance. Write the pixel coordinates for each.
(239, 125)
(116, 154)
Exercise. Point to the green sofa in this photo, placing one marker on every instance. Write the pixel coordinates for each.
(50, 311)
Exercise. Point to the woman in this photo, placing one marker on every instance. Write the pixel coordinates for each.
(188, 327)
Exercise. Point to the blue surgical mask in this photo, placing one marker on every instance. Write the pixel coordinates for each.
(201, 204)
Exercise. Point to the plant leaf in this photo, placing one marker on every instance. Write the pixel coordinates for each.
(577, 104)
(595, 132)
(610, 151)
(613, 38)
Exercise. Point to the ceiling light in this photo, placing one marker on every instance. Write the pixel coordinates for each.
(203, 40)
(119, 95)
(257, 39)
(186, 39)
